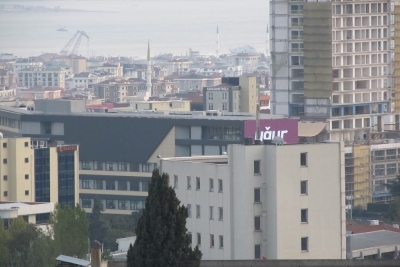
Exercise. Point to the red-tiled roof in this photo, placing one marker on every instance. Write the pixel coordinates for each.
(362, 228)
(264, 97)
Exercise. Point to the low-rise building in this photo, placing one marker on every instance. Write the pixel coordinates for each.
(159, 105)
(235, 94)
(30, 211)
(40, 93)
(50, 76)
(194, 81)
(8, 84)
(264, 201)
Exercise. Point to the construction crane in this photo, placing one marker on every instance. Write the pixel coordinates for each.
(78, 37)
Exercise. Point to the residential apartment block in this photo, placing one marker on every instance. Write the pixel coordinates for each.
(264, 201)
(8, 84)
(194, 81)
(50, 76)
(37, 171)
(235, 94)
(331, 61)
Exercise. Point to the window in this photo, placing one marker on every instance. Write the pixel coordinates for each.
(26, 176)
(135, 186)
(86, 184)
(257, 251)
(110, 204)
(304, 215)
(197, 211)
(145, 186)
(122, 185)
(210, 96)
(5, 161)
(110, 185)
(210, 106)
(297, 60)
(211, 213)
(191, 238)
(211, 240)
(304, 244)
(303, 159)
(26, 192)
(220, 213)
(197, 183)
(98, 184)
(391, 168)
(257, 195)
(189, 207)
(26, 144)
(86, 203)
(221, 241)
(189, 183)
(224, 106)
(199, 239)
(257, 223)
(5, 177)
(257, 167)
(303, 187)
(220, 185)
(211, 185)
(224, 96)
(5, 193)
(4, 145)
(175, 181)
(26, 160)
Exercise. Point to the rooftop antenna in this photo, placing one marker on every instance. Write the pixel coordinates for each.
(217, 42)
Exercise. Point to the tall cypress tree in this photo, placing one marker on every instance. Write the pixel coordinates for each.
(162, 238)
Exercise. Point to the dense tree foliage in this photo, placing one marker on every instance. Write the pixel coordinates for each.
(71, 230)
(106, 228)
(162, 237)
(25, 245)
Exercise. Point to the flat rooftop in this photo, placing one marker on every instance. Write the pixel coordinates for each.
(148, 114)
(374, 239)
(222, 159)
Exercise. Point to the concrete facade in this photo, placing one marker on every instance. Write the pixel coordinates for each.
(264, 201)
(343, 77)
(34, 171)
(51, 76)
(235, 94)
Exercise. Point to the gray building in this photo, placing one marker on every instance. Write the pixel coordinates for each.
(118, 151)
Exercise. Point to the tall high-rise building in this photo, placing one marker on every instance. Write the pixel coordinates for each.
(331, 61)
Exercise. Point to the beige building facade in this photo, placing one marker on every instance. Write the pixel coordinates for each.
(36, 171)
(264, 201)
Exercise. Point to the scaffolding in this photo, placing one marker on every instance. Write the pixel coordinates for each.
(395, 33)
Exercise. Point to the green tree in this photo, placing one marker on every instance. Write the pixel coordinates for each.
(162, 237)
(394, 210)
(71, 230)
(24, 245)
(4, 252)
(97, 224)
(106, 255)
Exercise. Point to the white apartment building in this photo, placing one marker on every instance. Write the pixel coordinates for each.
(331, 61)
(47, 77)
(25, 63)
(264, 201)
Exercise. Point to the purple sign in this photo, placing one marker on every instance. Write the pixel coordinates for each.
(288, 129)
